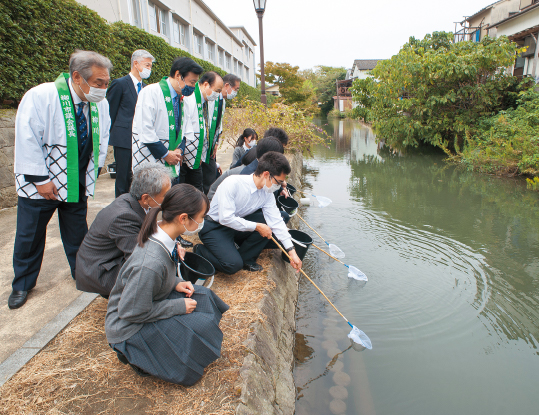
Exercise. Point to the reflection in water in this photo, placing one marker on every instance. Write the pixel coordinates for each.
(452, 302)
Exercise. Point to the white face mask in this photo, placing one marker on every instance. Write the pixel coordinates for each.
(95, 94)
(145, 73)
(252, 143)
(213, 96)
(197, 230)
(232, 95)
(273, 188)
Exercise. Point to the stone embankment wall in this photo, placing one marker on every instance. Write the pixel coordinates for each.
(266, 381)
(8, 195)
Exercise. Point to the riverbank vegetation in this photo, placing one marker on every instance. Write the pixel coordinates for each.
(458, 97)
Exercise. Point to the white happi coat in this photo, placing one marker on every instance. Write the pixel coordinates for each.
(41, 142)
(192, 129)
(150, 124)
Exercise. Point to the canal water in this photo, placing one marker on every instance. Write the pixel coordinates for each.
(452, 302)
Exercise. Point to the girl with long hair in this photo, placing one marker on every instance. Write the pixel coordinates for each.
(156, 322)
(246, 141)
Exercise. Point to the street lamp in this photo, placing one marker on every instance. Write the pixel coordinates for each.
(260, 7)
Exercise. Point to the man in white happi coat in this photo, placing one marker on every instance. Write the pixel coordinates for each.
(61, 139)
(211, 170)
(202, 130)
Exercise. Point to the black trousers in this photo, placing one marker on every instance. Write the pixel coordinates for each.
(209, 172)
(191, 176)
(124, 175)
(219, 246)
(33, 216)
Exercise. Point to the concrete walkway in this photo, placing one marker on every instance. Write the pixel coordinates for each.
(55, 301)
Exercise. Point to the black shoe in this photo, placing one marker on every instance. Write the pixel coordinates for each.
(252, 266)
(139, 371)
(17, 299)
(184, 243)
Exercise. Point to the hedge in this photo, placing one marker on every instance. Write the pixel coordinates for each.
(38, 36)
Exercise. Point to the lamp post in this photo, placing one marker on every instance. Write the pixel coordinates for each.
(260, 7)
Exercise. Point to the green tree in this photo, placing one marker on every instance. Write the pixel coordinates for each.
(291, 84)
(324, 79)
(435, 91)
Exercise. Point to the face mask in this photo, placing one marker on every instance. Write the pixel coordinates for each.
(95, 94)
(273, 188)
(213, 96)
(145, 73)
(232, 95)
(252, 143)
(197, 230)
(187, 90)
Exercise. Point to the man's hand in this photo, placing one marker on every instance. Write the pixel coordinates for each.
(47, 190)
(190, 305)
(284, 192)
(174, 157)
(263, 230)
(220, 170)
(185, 287)
(296, 262)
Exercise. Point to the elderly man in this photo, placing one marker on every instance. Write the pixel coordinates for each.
(202, 109)
(242, 215)
(231, 85)
(161, 119)
(61, 137)
(122, 97)
(113, 234)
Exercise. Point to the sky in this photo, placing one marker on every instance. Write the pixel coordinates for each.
(335, 32)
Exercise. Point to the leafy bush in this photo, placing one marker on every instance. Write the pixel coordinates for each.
(303, 134)
(434, 91)
(37, 37)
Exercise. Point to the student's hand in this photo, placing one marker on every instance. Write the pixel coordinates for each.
(173, 157)
(263, 230)
(296, 262)
(220, 170)
(185, 287)
(47, 190)
(181, 251)
(190, 305)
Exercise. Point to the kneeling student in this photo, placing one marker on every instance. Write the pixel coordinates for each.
(113, 234)
(234, 218)
(156, 322)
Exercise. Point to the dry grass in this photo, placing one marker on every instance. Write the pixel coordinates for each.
(78, 373)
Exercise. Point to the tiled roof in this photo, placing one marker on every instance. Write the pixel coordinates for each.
(366, 64)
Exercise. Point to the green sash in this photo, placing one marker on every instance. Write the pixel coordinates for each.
(201, 121)
(174, 139)
(72, 142)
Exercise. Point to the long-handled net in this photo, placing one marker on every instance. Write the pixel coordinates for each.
(322, 200)
(353, 272)
(334, 249)
(356, 334)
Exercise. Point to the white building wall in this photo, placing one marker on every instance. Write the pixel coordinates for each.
(520, 23)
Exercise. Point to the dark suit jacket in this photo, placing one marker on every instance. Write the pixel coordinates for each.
(122, 97)
(107, 245)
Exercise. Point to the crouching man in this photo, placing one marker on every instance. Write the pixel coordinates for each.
(242, 217)
(113, 234)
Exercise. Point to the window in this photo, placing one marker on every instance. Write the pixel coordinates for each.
(247, 74)
(235, 66)
(135, 13)
(183, 29)
(227, 61)
(163, 22)
(176, 31)
(153, 16)
(221, 58)
(198, 43)
(210, 51)
(240, 69)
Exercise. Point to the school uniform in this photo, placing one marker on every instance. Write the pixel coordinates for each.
(237, 155)
(235, 210)
(58, 138)
(146, 322)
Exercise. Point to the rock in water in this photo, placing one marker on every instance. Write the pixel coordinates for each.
(341, 378)
(337, 407)
(338, 392)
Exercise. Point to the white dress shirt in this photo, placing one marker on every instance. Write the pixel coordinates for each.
(163, 237)
(236, 197)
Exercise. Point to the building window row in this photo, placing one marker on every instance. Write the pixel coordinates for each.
(180, 31)
(158, 19)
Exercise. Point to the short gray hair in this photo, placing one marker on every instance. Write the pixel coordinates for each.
(141, 54)
(83, 60)
(149, 179)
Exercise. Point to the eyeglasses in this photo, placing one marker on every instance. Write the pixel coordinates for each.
(279, 182)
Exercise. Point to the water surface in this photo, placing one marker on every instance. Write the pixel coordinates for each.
(452, 302)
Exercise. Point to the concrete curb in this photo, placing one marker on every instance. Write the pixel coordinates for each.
(38, 341)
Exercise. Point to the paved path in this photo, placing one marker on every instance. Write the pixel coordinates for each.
(55, 301)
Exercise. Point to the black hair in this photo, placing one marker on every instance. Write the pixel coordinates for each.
(209, 77)
(231, 79)
(185, 65)
(181, 198)
(268, 144)
(248, 132)
(277, 133)
(248, 157)
(275, 163)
